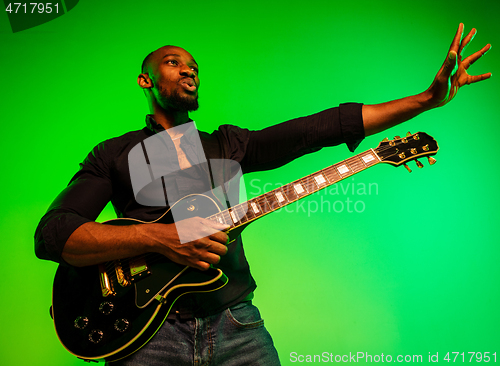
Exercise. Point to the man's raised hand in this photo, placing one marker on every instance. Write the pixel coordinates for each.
(453, 73)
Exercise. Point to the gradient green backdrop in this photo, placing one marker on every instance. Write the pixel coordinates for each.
(416, 271)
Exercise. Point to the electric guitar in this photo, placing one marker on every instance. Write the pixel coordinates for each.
(108, 311)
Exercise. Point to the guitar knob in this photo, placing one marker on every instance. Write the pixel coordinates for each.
(81, 322)
(432, 161)
(419, 164)
(407, 168)
(106, 307)
(121, 325)
(408, 134)
(95, 336)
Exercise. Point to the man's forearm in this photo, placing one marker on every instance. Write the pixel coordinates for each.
(94, 243)
(379, 117)
(202, 242)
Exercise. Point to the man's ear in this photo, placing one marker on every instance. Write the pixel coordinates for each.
(144, 81)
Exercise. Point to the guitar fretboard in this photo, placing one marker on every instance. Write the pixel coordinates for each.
(259, 206)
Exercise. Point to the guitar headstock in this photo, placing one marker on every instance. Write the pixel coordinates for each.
(401, 150)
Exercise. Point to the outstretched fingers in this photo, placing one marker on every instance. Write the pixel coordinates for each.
(455, 45)
(475, 78)
(453, 73)
(475, 56)
(465, 42)
(453, 54)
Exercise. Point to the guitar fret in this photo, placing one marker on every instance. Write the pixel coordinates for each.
(272, 200)
(289, 192)
(356, 164)
(233, 216)
(255, 208)
(331, 174)
(368, 158)
(281, 196)
(250, 214)
(227, 217)
(219, 218)
(246, 211)
(310, 184)
(241, 211)
(320, 180)
(299, 188)
(343, 169)
(260, 204)
(264, 205)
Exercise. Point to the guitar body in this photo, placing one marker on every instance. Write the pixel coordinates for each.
(97, 318)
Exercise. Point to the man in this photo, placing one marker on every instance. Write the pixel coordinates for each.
(222, 327)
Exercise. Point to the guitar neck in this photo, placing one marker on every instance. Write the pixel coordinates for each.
(251, 210)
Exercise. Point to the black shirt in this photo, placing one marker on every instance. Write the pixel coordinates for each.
(104, 176)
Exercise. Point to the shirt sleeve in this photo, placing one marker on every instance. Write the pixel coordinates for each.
(277, 145)
(82, 201)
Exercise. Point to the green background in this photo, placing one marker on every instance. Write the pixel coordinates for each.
(416, 271)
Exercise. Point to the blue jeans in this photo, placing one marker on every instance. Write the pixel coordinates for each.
(234, 337)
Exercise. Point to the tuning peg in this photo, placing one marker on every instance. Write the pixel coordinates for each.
(408, 134)
(419, 164)
(397, 137)
(385, 139)
(407, 168)
(432, 161)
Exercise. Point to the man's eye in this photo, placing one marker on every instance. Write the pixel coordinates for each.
(173, 62)
(195, 69)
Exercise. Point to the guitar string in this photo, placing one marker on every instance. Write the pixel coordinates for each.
(267, 203)
(267, 206)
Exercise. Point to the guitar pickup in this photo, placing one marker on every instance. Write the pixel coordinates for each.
(106, 284)
(138, 269)
(121, 278)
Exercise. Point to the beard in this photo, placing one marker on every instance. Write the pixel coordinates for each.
(178, 102)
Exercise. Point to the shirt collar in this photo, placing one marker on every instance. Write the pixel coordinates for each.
(155, 127)
(152, 124)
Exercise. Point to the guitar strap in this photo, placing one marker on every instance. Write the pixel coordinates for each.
(220, 172)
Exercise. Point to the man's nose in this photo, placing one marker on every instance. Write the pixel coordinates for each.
(187, 71)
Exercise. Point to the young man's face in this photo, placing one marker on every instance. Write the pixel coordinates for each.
(174, 74)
